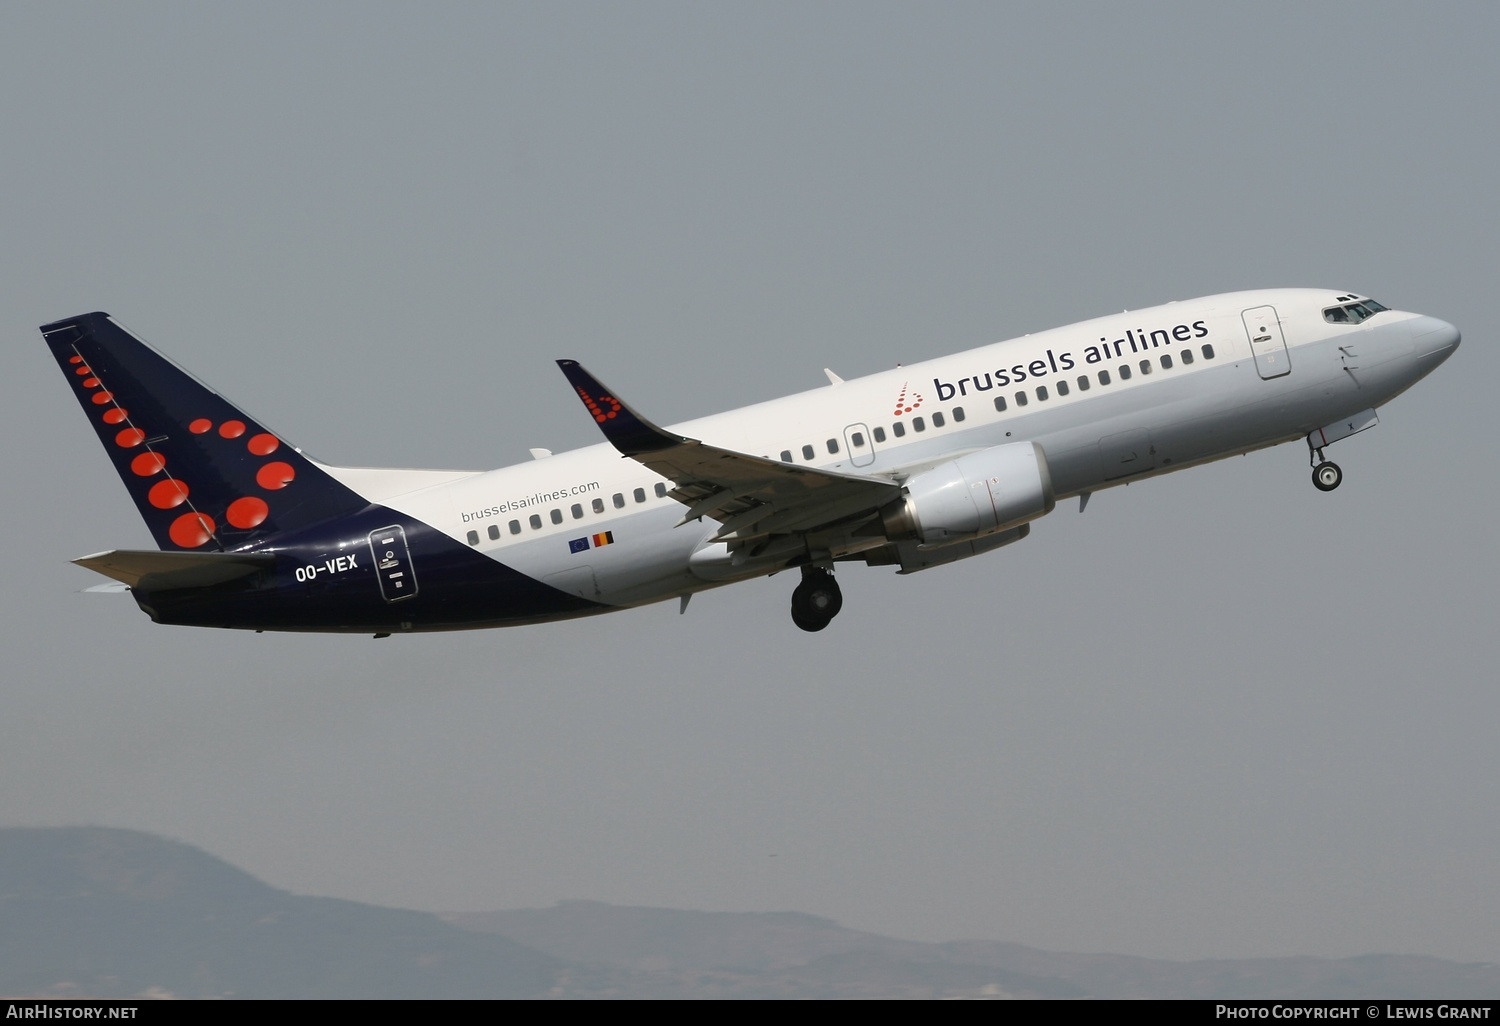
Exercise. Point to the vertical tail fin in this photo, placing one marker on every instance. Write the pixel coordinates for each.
(203, 475)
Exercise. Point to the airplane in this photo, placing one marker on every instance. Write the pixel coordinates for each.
(912, 468)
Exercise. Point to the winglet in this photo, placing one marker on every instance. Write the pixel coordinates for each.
(625, 429)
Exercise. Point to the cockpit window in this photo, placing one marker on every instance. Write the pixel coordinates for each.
(1353, 313)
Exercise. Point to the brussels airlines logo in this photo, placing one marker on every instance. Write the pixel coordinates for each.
(1135, 341)
(606, 407)
(907, 400)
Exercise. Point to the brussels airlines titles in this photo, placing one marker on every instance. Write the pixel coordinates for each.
(1136, 339)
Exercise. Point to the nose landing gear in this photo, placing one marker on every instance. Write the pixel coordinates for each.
(1327, 476)
(817, 600)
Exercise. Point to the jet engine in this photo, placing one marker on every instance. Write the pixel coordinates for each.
(991, 490)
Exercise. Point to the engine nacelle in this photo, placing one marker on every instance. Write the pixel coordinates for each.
(911, 556)
(987, 491)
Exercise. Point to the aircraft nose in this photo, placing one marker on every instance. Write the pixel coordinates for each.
(1432, 337)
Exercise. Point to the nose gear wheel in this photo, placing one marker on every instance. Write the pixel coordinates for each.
(1327, 476)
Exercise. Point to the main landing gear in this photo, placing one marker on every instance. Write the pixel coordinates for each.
(817, 600)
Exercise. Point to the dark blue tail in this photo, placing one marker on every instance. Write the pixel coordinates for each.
(203, 475)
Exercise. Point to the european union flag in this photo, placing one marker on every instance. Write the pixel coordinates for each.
(578, 545)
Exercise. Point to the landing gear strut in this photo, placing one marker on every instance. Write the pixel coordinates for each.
(817, 600)
(1326, 474)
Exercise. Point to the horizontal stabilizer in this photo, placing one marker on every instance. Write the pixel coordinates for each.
(171, 570)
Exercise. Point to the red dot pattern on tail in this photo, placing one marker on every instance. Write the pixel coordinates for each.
(262, 445)
(167, 494)
(194, 529)
(274, 476)
(148, 464)
(247, 512)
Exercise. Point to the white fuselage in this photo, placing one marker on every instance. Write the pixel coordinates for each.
(1108, 400)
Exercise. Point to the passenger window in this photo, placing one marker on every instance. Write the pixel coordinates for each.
(857, 440)
(1062, 387)
(494, 532)
(1104, 377)
(833, 446)
(577, 511)
(1041, 393)
(899, 429)
(556, 516)
(786, 455)
(807, 452)
(639, 495)
(515, 527)
(473, 537)
(619, 501)
(1187, 357)
(1166, 362)
(1022, 399)
(661, 489)
(1208, 352)
(1084, 382)
(1146, 367)
(536, 522)
(958, 414)
(598, 505)
(999, 404)
(1124, 371)
(937, 419)
(878, 434)
(917, 424)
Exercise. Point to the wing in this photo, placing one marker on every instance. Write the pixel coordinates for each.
(751, 496)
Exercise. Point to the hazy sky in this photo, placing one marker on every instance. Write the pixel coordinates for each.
(1219, 714)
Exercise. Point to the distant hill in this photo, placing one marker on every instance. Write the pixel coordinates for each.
(670, 953)
(113, 913)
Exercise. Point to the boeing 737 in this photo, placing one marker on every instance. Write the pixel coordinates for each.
(910, 468)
